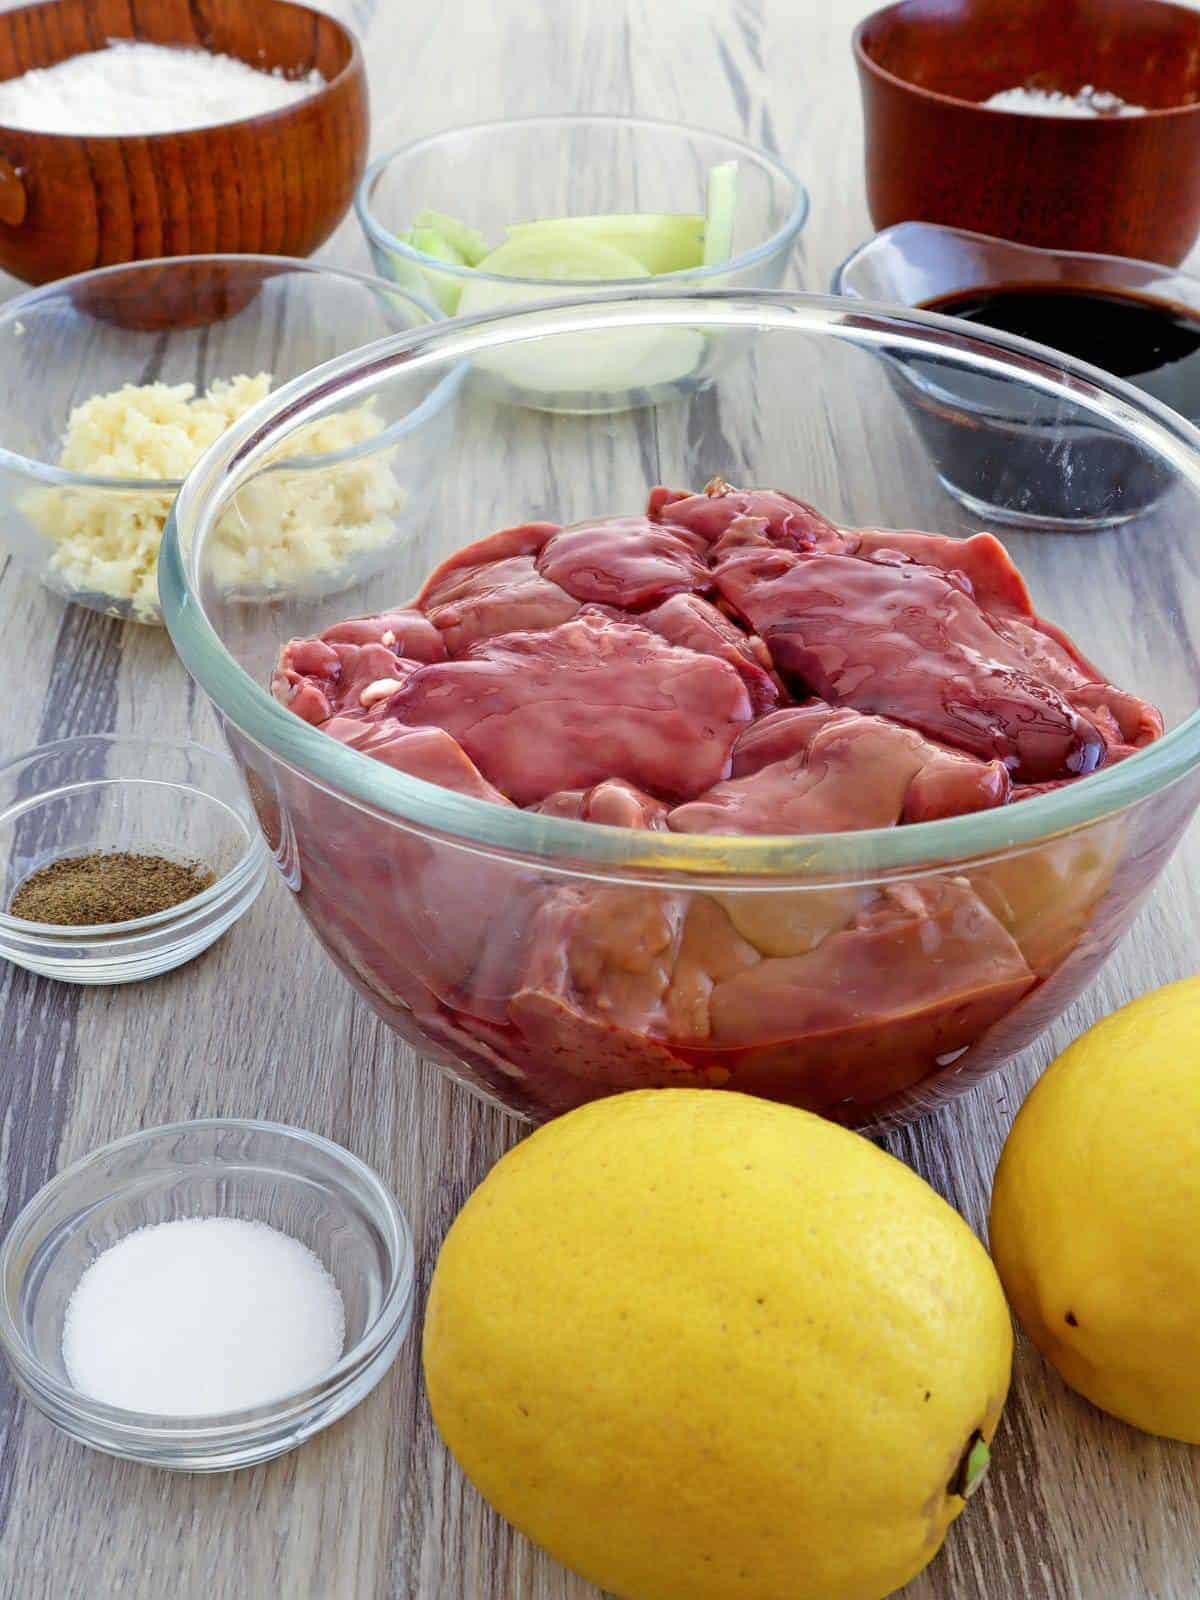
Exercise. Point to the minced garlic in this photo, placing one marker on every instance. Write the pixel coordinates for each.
(283, 527)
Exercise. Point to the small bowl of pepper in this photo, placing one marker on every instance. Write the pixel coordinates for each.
(122, 858)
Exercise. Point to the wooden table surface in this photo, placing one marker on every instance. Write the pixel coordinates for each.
(1076, 1506)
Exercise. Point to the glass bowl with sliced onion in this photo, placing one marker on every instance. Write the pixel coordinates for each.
(512, 213)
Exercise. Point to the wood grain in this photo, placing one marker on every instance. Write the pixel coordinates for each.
(278, 184)
(1113, 185)
(1078, 1507)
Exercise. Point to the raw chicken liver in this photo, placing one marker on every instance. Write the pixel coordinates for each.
(588, 700)
(731, 662)
(819, 769)
(892, 636)
(493, 587)
(629, 562)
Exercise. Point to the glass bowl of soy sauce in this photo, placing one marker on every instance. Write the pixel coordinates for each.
(999, 446)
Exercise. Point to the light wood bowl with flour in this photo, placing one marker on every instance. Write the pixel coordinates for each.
(276, 183)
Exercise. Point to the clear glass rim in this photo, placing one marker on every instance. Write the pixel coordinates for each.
(922, 92)
(357, 779)
(13, 311)
(222, 1427)
(1038, 251)
(229, 883)
(1170, 280)
(378, 234)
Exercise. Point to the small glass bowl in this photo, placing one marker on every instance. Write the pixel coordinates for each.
(196, 320)
(303, 1185)
(988, 438)
(145, 796)
(491, 175)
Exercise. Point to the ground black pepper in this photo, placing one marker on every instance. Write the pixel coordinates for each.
(108, 886)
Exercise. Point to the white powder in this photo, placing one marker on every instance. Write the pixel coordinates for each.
(202, 1316)
(1089, 102)
(133, 87)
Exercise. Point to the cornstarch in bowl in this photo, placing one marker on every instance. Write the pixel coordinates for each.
(137, 88)
(1088, 102)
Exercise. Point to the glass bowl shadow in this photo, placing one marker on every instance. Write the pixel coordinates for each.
(994, 443)
(189, 320)
(291, 1180)
(493, 938)
(490, 175)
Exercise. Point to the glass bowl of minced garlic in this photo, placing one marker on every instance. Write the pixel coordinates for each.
(118, 381)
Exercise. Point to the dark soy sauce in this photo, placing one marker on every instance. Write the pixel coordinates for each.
(1152, 343)
(1030, 458)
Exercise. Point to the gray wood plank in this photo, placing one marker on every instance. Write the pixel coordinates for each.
(1077, 1505)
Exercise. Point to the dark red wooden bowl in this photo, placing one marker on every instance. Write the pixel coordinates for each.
(1120, 185)
(275, 184)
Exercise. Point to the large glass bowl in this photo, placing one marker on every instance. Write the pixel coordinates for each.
(91, 534)
(541, 960)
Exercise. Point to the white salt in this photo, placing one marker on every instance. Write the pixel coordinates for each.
(201, 1316)
(133, 87)
(1089, 102)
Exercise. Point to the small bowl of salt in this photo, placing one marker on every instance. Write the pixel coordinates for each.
(205, 1295)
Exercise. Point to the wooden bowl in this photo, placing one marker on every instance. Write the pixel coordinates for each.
(275, 184)
(1125, 186)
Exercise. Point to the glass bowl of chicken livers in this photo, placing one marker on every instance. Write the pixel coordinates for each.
(714, 743)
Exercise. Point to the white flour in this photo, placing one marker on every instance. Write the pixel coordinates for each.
(144, 88)
(1089, 102)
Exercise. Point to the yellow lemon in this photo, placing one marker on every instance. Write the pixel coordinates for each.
(1096, 1209)
(705, 1347)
